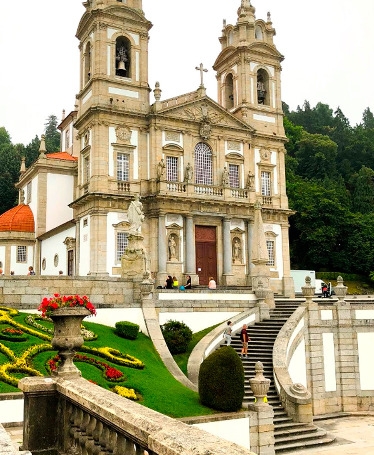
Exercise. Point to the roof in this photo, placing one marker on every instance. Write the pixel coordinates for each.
(20, 219)
(61, 156)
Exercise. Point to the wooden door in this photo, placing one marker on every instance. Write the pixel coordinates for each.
(206, 253)
(70, 262)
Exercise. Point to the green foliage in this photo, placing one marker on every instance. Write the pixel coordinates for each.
(177, 336)
(126, 329)
(158, 388)
(52, 135)
(221, 380)
(182, 359)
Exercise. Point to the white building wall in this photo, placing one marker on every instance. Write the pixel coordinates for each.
(329, 361)
(60, 190)
(113, 218)
(53, 251)
(83, 268)
(365, 359)
(2, 257)
(21, 268)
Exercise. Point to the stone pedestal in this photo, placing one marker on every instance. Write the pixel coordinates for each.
(134, 259)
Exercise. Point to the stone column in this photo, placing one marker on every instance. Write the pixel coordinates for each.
(190, 247)
(98, 242)
(227, 250)
(161, 247)
(249, 248)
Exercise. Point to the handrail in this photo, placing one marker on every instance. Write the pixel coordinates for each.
(295, 398)
(214, 338)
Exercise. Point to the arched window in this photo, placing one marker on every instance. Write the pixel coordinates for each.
(87, 63)
(203, 164)
(123, 57)
(229, 92)
(263, 87)
(258, 33)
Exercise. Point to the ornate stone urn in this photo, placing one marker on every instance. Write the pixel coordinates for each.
(259, 384)
(67, 338)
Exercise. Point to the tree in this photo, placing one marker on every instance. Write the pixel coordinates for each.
(10, 160)
(52, 135)
(363, 194)
(316, 156)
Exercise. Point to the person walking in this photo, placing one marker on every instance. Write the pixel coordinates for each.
(227, 333)
(244, 338)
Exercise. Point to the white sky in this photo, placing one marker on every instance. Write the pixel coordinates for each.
(327, 44)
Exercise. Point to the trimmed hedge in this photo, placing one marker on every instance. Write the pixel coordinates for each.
(177, 336)
(221, 380)
(126, 329)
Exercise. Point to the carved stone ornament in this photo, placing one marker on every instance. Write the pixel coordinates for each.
(205, 131)
(123, 134)
(265, 155)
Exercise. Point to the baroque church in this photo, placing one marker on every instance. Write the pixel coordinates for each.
(209, 174)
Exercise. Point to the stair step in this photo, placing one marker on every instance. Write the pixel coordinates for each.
(289, 446)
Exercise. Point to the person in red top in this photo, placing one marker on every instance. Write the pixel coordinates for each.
(244, 338)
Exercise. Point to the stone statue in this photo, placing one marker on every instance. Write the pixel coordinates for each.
(172, 248)
(188, 173)
(161, 169)
(135, 214)
(250, 181)
(225, 177)
(236, 250)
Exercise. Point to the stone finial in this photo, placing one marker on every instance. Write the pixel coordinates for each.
(269, 17)
(340, 289)
(259, 384)
(42, 148)
(308, 290)
(23, 166)
(63, 114)
(157, 91)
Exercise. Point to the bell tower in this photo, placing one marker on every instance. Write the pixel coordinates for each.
(248, 71)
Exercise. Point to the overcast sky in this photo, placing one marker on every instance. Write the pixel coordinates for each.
(327, 45)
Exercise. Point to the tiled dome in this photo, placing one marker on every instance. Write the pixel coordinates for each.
(18, 219)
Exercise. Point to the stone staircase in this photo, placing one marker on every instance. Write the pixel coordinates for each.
(288, 434)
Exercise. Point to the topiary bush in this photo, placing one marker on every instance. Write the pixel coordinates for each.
(177, 336)
(126, 329)
(221, 380)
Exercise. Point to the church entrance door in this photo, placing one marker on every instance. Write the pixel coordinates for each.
(206, 253)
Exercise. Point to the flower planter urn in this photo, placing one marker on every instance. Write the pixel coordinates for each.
(67, 338)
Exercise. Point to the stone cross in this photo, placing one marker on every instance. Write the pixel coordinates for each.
(202, 70)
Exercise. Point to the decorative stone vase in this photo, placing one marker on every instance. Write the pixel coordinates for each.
(259, 384)
(67, 338)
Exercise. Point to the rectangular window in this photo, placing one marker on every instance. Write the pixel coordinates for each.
(265, 183)
(234, 175)
(122, 241)
(21, 254)
(172, 168)
(270, 248)
(123, 167)
(86, 170)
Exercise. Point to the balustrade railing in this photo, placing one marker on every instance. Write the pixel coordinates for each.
(76, 417)
(123, 187)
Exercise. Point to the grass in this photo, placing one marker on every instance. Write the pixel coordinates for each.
(182, 359)
(156, 386)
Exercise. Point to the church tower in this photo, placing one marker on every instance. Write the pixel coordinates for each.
(112, 104)
(248, 72)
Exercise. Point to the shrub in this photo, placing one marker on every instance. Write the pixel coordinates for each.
(221, 380)
(177, 336)
(126, 329)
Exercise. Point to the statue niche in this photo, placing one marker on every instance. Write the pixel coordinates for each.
(236, 251)
(173, 248)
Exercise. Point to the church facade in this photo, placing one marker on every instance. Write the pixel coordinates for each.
(200, 167)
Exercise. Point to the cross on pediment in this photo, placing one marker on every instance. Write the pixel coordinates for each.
(202, 70)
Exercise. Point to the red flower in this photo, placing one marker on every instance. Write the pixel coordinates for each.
(48, 305)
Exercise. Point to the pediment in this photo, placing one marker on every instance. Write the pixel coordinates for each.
(203, 111)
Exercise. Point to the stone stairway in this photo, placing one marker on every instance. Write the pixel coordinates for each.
(288, 434)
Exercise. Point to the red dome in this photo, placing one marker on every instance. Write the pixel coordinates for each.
(18, 219)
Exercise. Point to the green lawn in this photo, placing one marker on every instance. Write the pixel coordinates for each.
(154, 384)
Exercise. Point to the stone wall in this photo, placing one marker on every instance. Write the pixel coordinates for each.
(105, 292)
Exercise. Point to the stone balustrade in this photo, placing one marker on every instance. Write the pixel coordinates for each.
(76, 417)
(295, 398)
